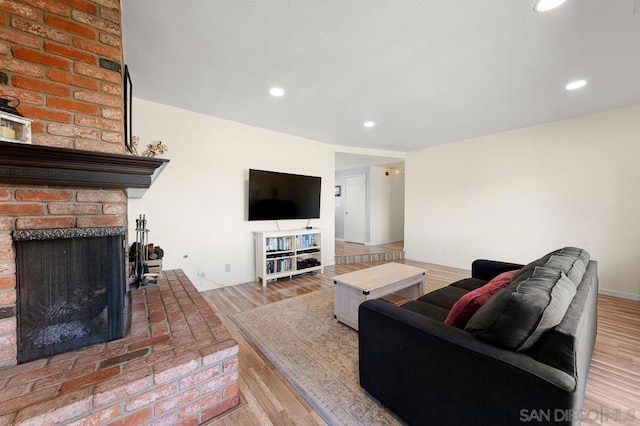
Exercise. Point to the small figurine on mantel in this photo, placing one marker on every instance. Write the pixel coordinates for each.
(154, 149)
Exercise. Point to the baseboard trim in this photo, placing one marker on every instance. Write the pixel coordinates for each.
(621, 294)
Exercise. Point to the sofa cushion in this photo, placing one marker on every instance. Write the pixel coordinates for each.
(468, 304)
(444, 297)
(572, 252)
(576, 252)
(573, 267)
(519, 314)
(538, 262)
(427, 309)
(469, 283)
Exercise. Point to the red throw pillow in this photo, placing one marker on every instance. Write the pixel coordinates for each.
(468, 304)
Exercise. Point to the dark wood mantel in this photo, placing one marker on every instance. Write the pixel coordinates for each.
(25, 164)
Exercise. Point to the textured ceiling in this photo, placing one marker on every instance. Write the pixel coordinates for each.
(426, 71)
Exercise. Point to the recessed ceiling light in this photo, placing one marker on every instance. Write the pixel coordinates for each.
(276, 91)
(369, 124)
(546, 5)
(576, 84)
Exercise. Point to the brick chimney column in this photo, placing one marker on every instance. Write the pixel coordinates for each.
(63, 60)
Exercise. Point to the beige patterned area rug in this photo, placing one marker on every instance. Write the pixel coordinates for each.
(318, 355)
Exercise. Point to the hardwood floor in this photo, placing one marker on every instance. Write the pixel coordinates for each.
(614, 376)
(344, 248)
(266, 397)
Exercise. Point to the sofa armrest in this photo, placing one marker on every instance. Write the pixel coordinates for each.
(489, 269)
(423, 369)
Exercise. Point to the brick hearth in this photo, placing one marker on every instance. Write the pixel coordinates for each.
(179, 364)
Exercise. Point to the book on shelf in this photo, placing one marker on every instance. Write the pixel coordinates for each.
(279, 265)
(278, 243)
(303, 241)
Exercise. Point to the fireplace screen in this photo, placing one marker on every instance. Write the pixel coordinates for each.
(71, 286)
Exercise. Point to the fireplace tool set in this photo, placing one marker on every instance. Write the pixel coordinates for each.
(141, 253)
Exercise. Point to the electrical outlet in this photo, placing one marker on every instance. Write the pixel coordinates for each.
(227, 267)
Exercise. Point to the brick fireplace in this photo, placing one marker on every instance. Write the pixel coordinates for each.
(32, 208)
(63, 60)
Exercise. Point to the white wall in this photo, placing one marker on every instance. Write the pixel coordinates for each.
(197, 207)
(397, 205)
(517, 195)
(387, 205)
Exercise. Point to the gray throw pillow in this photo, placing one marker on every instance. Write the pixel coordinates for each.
(528, 268)
(576, 252)
(517, 316)
(572, 252)
(573, 267)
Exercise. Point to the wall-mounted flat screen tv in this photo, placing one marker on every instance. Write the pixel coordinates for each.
(274, 195)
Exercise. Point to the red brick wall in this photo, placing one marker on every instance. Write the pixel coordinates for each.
(63, 61)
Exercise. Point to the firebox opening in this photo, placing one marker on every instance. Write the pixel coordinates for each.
(71, 289)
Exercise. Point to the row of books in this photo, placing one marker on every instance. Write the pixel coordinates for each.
(303, 241)
(279, 244)
(286, 243)
(279, 265)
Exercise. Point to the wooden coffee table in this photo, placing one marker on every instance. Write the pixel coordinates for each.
(355, 287)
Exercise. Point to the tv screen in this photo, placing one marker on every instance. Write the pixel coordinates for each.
(274, 195)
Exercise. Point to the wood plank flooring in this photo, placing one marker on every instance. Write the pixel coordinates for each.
(267, 398)
(344, 248)
(614, 376)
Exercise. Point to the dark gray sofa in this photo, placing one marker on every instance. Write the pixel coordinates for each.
(428, 372)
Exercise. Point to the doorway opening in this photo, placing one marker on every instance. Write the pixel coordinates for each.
(369, 208)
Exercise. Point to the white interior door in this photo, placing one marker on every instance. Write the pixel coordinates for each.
(355, 216)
